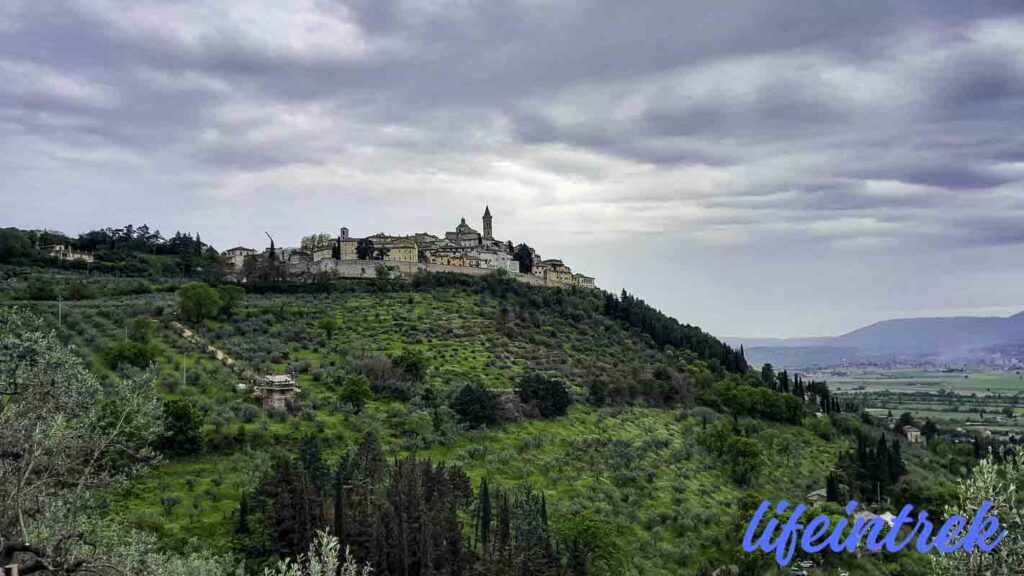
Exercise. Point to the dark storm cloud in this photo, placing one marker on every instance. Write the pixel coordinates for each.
(857, 127)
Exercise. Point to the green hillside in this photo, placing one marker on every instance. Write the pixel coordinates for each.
(659, 444)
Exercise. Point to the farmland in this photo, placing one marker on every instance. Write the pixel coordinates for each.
(984, 397)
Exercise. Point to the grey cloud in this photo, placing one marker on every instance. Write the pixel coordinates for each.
(729, 126)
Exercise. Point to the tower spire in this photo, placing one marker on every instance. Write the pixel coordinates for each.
(488, 230)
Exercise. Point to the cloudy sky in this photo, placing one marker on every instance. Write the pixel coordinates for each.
(757, 168)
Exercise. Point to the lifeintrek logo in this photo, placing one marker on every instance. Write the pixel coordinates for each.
(783, 537)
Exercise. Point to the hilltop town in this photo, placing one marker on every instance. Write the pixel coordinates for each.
(463, 250)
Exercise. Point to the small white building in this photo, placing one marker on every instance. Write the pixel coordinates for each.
(65, 252)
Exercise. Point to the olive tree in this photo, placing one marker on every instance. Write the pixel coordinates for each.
(62, 434)
(323, 559)
(999, 484)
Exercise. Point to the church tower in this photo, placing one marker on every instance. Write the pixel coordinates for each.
(488, 231)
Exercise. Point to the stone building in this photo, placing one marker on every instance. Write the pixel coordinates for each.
(913, 434)
(274, 391)
(464, 247)
(583, 281)
(488, 229)
(394, 248)
(557, 273)
(464, 235)
(298, 262)
(65, 252)
(347, 246)
(323, 253)
(235, 257)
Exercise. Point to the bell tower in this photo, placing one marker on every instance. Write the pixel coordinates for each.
(488, 231)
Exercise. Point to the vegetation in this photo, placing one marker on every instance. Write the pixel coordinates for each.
(457, 425)
(182, 428)
(996, 482)
(199, 302)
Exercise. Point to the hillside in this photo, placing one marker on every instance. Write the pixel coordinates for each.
(658, 444)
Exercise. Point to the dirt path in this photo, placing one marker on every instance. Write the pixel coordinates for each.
(195, 339)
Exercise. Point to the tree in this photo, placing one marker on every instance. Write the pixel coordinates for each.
(182, 429)
(199, 302)
(321, 560)
(230, 296)
(242, 528)
(124, 354)
(14, 245)
(524, 255)
(329, 325)
(998, 483)
(316, 242)
(413, 365)
(597, 392)
(40, 288)
(746, 458)
(832, 487)
(484, 517)
(589, 544)
(768, 375)
(548, 395)
(140, 330)
(64, 433)
(364, 249)
(292, 510)
(906, 419)
(476, 406)
(929, 430)
(356, 392)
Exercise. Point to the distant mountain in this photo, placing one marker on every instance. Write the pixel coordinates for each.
(957, 337)
(936, 335)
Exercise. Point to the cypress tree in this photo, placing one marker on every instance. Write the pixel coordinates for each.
(832, 487)
(242, 522)
(484, 533)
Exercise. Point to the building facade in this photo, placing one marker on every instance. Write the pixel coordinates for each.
(464, 247)
(235, 257)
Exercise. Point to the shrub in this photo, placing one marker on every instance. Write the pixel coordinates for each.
(140, 329)
(127, 354)
(549, 396)
(413, 365)
(597, 392)
(476, 406)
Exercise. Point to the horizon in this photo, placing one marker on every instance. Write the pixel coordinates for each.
(804, 170)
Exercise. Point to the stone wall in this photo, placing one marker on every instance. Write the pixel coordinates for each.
(368, 269)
